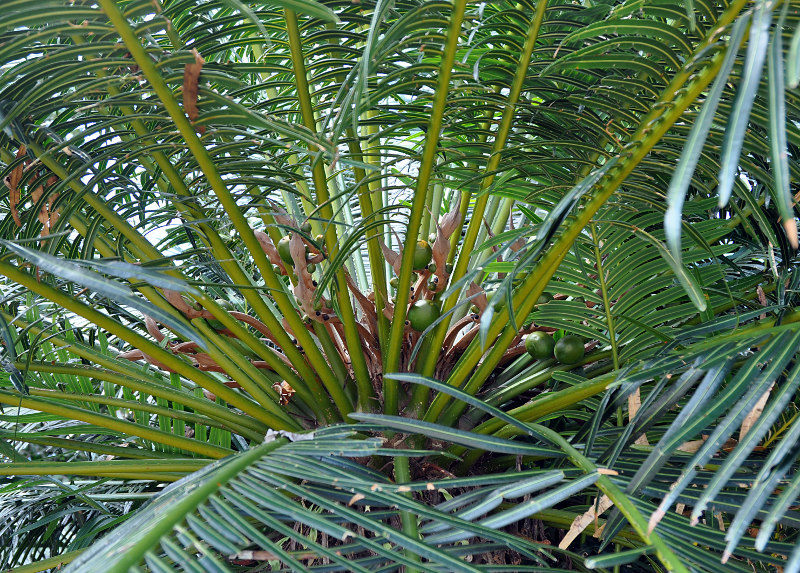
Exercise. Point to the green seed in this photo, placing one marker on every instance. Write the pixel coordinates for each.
(284, 251)
(422, 314)
(569, 350)
(540, 345)
(422, 255)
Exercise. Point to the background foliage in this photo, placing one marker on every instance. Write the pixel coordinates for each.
(211, 215)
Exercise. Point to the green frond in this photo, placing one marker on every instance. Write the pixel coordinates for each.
(225, 219)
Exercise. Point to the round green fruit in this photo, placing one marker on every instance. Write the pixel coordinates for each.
(394, 282)
(306, 227)
(569, 350)
(311, 267)
(422, 255)
(284, 251)
(422, 314)
(544, 298)
(540, 345)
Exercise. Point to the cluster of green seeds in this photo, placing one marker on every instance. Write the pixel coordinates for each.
(568, 349)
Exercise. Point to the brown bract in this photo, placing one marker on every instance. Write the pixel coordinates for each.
(48, 214)
(269, 248)
(480, 300)
(304, 289)
(191, 77)
(392, 257)
(441, 247)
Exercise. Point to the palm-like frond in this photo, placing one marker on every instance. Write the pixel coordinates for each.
(307, 507)
(155, 154)
(46, 517)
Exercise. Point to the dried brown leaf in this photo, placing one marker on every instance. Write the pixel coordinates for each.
(367, 306)
(52, 211)
(152, 328)
(691, 447)
(634, 403)
(47, 215)
(176, 300)
(582, 521)
(269, 248)
(755, 413)
(519, 243)
(284, 390)
(282, 217)
(790, 227)
(356, 498)
(191, 76)
(449, 223)
(304, 289)
(607, 472)
(12, 182)
(441, 249)
(388, 311)
(393, 258)
(480, 301)
(287, 328)
(762, 298)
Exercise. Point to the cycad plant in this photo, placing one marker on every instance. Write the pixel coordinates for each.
(404, 285)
